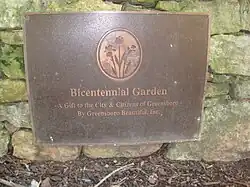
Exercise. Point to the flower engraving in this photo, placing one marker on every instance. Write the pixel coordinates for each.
(119, 54)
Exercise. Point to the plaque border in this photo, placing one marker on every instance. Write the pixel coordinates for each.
(36, 140)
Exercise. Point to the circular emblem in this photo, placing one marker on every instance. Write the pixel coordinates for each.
(119, 54)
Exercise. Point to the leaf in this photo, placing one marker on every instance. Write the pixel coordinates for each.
(7, 49)
(13, 69)
(126, 69)
(4, 58)
(9, 53)
(19, 52)
(113, 70)
(116, 60)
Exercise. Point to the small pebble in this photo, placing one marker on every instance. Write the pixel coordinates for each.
(34, 183)
(106, 166)
(33, 168)
(46, 183)
(162, 171)
(55, 178)
(153, 178)
(142, 163)
(86, 180)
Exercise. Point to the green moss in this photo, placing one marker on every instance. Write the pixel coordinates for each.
(225, 15)
(221, 79)
(145, 3)
(81, 5)
(11, 12)
(242, 89)
(219, 114)
(129, 7)
(171, 6)
(210, 102)
(17, 115)
(12, 90)
(230, 54)
(12, 37)
(213, 90)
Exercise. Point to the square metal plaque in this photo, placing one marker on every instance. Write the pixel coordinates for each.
(116, 77)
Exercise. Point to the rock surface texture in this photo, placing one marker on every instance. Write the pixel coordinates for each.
(22, 142)
(224, 136)
(4, 141)
(226, 126)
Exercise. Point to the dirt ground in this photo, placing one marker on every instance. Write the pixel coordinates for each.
(153, 170)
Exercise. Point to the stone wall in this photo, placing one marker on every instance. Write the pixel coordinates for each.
(226, 123)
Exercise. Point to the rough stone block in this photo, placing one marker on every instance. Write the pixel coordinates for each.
(24, 148)
(242, 89)
(226, 15)
(128, 7)
(221, 79)
(230, 54)
(209, 77)
(115, 1)
(4, 142)
(12, 90)
(225, 135)
(80, 5)
(210, 102)
(145, 3)
(12, 11)
(9, 127)
(213, 89)
(16, 114)
(14, 37)
(1, 123)
(110, 151)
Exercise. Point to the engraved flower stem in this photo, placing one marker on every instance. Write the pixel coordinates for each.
(119, 40)
(119, 49)
(126, 67)
(116, 66)
(124, 60)
(122, 68)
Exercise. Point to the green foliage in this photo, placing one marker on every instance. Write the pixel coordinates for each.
(9, 53)
(11, 61)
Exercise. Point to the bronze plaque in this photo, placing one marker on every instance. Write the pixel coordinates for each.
(116, 77)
